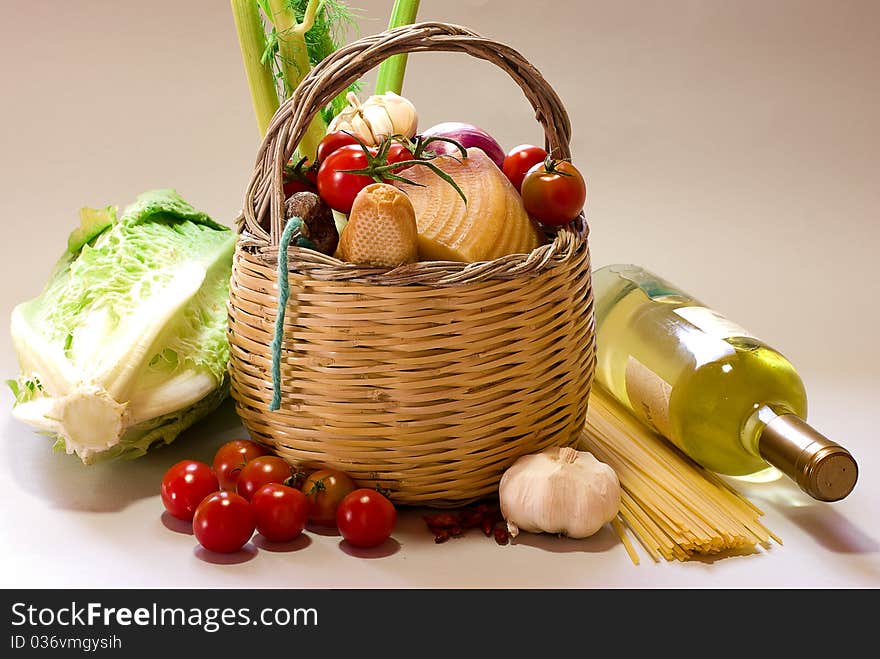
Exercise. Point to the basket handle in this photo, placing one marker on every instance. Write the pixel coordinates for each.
(336, 72)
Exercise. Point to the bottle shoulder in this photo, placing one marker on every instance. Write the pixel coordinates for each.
(744, 373)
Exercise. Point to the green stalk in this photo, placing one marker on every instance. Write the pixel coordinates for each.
(320, 46)
(390, 75)
(294, 61)
(333, 20)
(252, 41)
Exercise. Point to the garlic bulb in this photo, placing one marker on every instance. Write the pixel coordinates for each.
(559, 490)
(378, 117)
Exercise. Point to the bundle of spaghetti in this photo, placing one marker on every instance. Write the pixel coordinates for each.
(674, 507)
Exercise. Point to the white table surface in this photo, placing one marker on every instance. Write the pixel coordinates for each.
(731, 147)
(65, 525)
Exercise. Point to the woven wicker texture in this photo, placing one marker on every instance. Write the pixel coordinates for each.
(428, 380)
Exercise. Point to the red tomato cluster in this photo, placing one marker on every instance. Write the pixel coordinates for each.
(259, 493)
(553, 191)
(519, 160)
(340, 151)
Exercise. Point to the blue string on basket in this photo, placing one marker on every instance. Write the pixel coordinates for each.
(293, 224)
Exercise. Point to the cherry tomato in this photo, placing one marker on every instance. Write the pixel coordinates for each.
(336, 188)
(519, 160)
(333, 141)
(324, 489)
(260, 471)
(365, 518)
(281, 512)
(294, 185)
(224, 522)
(303, 179)
(554, 193)
(232, 457)
(398, 153)
(184, 486)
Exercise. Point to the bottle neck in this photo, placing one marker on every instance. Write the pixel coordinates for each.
(822, 468)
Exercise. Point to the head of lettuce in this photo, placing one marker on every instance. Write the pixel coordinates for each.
(126, 346)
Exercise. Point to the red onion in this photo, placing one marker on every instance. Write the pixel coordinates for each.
(465, 134)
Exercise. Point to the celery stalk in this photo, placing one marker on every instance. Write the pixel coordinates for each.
(252, 41)
(294, 61)
(332, 21)
(390, 75)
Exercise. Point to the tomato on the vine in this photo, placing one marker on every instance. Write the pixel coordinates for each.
(224, 522)
(365, 518)
(281, 512)
(292, 186)
(184, 486)
(333, 141)
(231, 458)
(519, 160)
(553, 192)
(338, 188)
(324, 489)
(261, 471)
(397, 152)
(301, 177)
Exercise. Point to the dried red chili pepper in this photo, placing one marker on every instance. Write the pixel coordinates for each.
(470, 519)
(453, 524)
(441, 520)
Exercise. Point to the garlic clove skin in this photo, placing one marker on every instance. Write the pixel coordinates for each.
(346, 114)
(401, 113)
(351, 120)
(378, 117)
(354, 124)
(361, 129)
(559, 490)
(379, 121)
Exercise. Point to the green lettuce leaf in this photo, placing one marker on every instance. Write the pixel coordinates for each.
(130, 329)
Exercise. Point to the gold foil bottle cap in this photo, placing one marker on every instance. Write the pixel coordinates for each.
(823, 469)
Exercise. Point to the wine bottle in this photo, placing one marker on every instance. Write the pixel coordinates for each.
(725, 398)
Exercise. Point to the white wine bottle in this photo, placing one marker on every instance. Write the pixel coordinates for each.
(728, 400)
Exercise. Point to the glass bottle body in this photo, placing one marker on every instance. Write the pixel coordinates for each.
(703, 382)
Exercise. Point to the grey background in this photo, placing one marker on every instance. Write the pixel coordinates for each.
(730, 146)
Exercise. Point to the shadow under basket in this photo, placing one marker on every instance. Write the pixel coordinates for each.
(428, 380)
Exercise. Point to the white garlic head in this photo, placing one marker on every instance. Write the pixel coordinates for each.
(378, 117)
(559, 490)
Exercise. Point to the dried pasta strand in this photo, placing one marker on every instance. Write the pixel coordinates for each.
(674, 507)
(621, 533)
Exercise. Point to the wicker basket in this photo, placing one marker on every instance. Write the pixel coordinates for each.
(428, 380)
